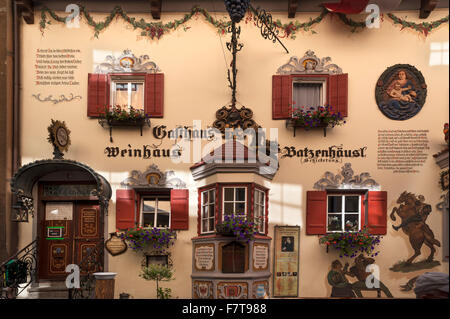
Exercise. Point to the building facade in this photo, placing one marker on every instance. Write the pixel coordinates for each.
(98, 178)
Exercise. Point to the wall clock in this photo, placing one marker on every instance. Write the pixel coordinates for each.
(59, 136)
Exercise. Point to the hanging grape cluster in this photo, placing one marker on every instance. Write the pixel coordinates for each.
(237, 9)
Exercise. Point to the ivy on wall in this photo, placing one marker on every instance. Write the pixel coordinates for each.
(287, 30)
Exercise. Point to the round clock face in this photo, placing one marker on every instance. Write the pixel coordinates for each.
(61, 136)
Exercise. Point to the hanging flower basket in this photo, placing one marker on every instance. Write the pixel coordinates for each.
(349, 244)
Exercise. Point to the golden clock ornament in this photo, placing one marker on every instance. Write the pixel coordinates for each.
(59, 137)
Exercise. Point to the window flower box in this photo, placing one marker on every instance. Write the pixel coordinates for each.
(238, 226)
(154, 238)
(309, 118)
(349, 244)
(118, 116)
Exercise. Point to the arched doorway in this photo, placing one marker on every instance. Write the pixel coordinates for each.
(68, 201)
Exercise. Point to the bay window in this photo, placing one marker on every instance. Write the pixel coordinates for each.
(224, 199)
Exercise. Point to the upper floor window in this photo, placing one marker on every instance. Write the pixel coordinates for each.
(309, 92)
(343, 213)
(309, 82)
(141, 91)
(128, 92)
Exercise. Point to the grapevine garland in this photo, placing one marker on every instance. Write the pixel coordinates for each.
(287, 30)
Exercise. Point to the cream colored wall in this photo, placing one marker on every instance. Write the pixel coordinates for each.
(196, 86)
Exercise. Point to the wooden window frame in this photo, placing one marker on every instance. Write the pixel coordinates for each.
(322, 79)
(246, 202)
(202, 205)
(264, 209)
(343, 213)
(115, 78)
(156, 199)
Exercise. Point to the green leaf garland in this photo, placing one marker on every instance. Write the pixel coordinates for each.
(286, 30)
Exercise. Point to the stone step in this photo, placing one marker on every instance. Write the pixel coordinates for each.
(46, 290)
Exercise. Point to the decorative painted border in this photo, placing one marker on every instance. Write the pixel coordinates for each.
(158, 29)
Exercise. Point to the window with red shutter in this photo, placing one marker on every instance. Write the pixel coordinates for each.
(179, 209)
(281, 97)
(346, 211)
(316, 212)
(154, 94)
(309, 82)
(142, 91)
(125, 209)
(98, 94)
(377, 212)
(338, 93)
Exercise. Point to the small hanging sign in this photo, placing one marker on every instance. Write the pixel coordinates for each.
(115, 245)
(55, 232)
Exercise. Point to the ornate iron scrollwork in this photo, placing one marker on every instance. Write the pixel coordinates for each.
(23, 208)
(18, 272)
(232, 117)
(91, 263)
(269, 29)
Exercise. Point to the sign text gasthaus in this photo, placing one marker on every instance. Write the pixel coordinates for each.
(331, 154)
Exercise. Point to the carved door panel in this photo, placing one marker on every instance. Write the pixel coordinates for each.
(88, 232)
(56, 246)
(67, 241)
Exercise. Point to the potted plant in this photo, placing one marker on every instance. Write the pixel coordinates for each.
(156, 238)
(349, 244)
(238, 226)
(158, 273)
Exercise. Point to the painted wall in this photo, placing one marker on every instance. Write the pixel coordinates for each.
(196, 86)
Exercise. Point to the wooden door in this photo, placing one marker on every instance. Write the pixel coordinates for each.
(88, 232)
(82, 230)
(56, 233)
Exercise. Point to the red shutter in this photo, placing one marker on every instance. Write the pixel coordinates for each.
(98, 94)
(125, 209)
(377, 215)
(154, 95)
(281, 97)
(316, 212)
(179, 209)
(338, 93)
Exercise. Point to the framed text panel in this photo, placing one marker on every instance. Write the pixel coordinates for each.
(286, 261)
